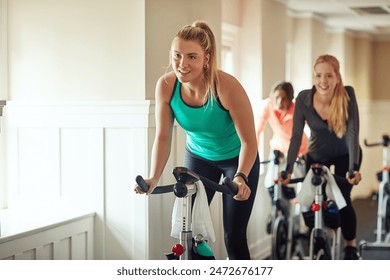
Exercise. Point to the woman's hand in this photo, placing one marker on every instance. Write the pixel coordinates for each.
(151, 182)
(357, 177)
(243, 190)
(284, 178)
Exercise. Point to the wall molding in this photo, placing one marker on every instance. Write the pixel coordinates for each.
(81, 114)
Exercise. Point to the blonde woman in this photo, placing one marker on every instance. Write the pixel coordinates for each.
(214, 110)
(330, 110)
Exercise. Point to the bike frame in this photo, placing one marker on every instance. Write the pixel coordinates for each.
(186, 222)
(282, 211)
(383, 198)
(319, 233)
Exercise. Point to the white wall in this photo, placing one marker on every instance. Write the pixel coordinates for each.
(250, 59)
(76, 50)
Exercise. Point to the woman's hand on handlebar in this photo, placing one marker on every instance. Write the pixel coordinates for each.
(284, 177)
(151, 182)
(355, 179)
(243, 190)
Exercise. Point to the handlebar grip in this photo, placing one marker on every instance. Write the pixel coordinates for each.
(351, 174)
(284, 175)
(229, 184)
(158, 190)
(141, 183)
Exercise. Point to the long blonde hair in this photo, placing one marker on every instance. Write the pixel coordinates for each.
(200, 32)
(338, 107)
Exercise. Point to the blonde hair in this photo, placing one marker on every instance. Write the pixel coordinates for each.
(200, 32)
(338, 108)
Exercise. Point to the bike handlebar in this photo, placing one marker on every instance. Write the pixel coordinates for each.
(339, 179)
(296, 180)
(227, 187)
(385, 142)
(158, 190)
(278, 155)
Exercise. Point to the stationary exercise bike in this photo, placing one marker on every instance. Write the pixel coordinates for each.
(285, 220)
(383, 214)
(325, 234)
(187, 183)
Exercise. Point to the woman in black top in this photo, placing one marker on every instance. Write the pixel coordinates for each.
(330, 110)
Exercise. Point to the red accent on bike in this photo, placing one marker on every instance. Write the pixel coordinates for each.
(315, 207)
(177, 249)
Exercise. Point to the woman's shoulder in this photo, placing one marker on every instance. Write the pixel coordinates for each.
(349, 90)
(165, 85)
(225, 78)
(304, 96)
(167, 81)
(351, 94)
(227, 84)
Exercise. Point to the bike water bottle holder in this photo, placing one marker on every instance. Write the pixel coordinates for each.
(330, 215)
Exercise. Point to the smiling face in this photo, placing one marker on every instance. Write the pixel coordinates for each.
(188, 60)
(325, 78)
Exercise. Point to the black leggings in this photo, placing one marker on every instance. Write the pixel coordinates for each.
(235, 213)
(347, 214)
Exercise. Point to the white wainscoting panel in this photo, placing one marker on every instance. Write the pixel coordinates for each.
(64, 159)
(66, 240)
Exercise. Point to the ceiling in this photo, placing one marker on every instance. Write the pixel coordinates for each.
(362, 16)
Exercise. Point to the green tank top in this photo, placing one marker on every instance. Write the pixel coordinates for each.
(209, 128)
